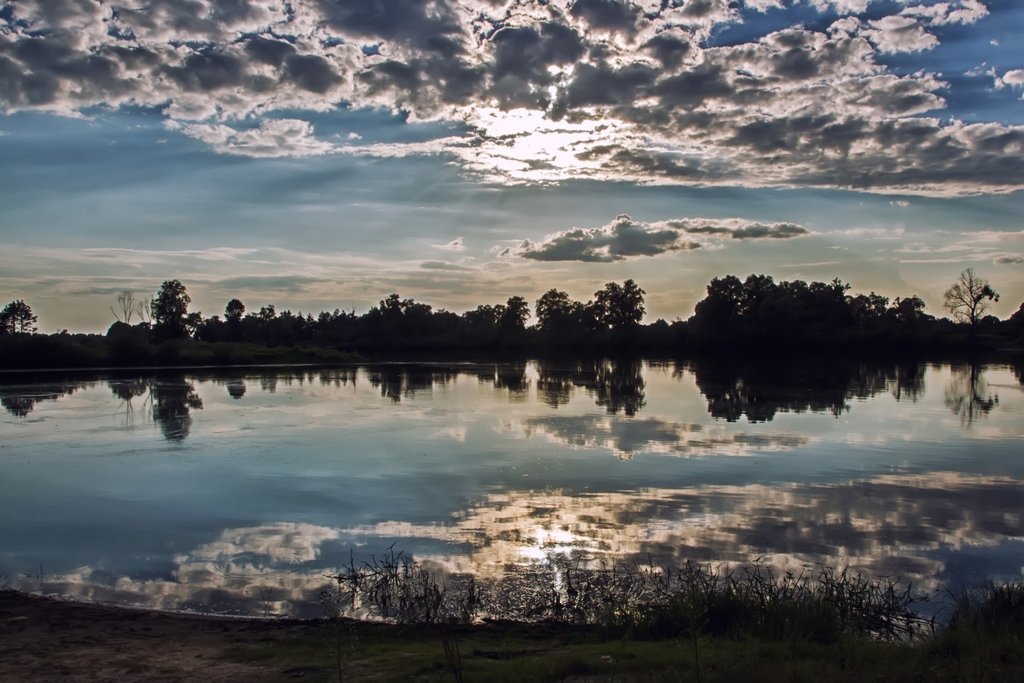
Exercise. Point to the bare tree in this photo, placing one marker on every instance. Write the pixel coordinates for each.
(142, 309)
(126, 307)
(968, 298)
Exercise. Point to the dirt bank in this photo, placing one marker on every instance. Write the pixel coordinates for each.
(45, 639)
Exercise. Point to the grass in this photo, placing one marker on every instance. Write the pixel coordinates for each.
(510, 653)
(642, 601)
(640, 622)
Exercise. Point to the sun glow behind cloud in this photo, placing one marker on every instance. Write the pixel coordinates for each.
(359, 128)
(584, 89)
(525, 145)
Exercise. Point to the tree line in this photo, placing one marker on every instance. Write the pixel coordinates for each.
(614, 313)
(757, 312)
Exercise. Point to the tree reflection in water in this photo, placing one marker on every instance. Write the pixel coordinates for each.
(512, 378)
(19, 401)
(397, 383)
(174, 399)
(236, 388)
(554, 384)
(509, 378)
(127, 390)
(967, 394)
(757, 391)
(617, 386)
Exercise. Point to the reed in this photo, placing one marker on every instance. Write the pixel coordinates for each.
(644, 600)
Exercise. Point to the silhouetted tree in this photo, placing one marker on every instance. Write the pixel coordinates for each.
(234, 311)
(867, 309)
(968, 298)
(267, 313)
(555, 308)
(563, 321)
(17, 318)
(126, 307)
(909, 309)
(484, 318)
(619, 307)
(193, 321)
(717, 315)
(170, 311)
(515, 314)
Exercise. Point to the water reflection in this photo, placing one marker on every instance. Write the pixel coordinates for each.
(512, 379)
(21, 400)
(497, 466)
(268, 569)
(127, 391)
(554, 384)
(236, 388)
(967, 394)
(624, 437)
(896, 525)
(174, 399)
(754, 391)
(617, 386)
(398, 382)
(759, 391)
(889, 525)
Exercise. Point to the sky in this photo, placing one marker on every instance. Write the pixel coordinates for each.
(321, 154)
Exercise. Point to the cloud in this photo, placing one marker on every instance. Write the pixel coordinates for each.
(1008, 258)
(1010, 79)
(893, 34)
(789, 526)
(272, 138)
(146, 256)
(625, 437)
(443, 265)
(610, 15)
(620, 239)
(455, 245)
(263, 283)
(943, 13)
(625, 238)
(614, 90)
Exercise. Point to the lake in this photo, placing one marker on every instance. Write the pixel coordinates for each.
(237, 491)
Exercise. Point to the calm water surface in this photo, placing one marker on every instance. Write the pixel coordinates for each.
(229, 491)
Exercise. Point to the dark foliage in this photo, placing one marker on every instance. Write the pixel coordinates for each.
(736, 316)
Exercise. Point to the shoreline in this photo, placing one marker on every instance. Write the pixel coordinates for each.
(45, 638)
(49, 638)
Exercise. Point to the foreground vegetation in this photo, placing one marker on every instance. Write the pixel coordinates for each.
(700, 622)
(641, 622)
(626, 623)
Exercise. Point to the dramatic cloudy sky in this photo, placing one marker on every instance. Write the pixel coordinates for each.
(323, 153)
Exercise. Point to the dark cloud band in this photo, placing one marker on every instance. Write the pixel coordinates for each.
(625, 238)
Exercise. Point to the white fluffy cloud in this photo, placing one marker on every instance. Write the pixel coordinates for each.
(1010, 79)
(899, 34)
(608, 89)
